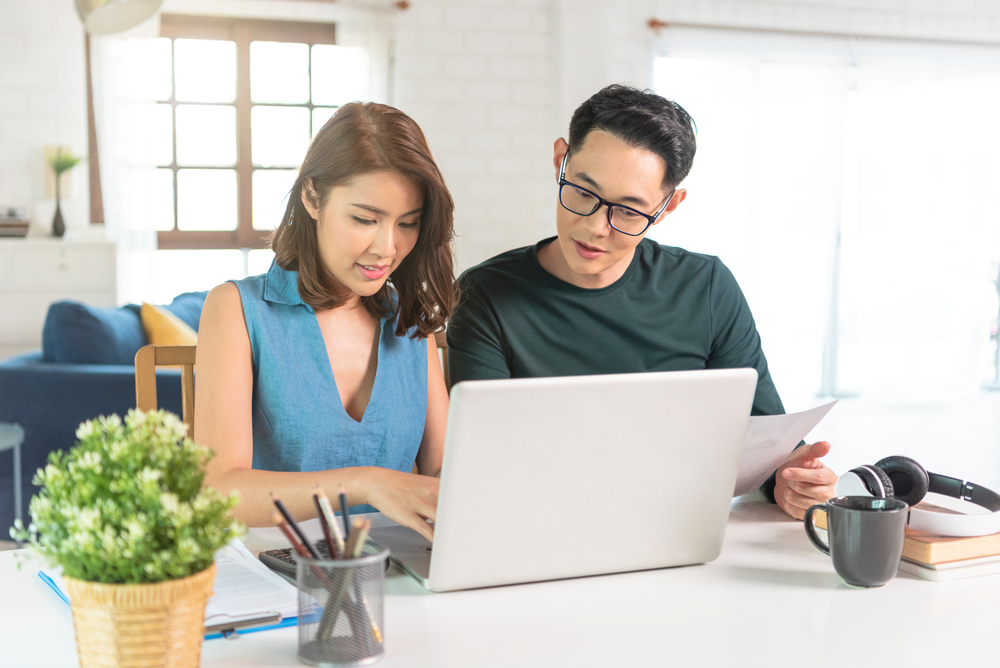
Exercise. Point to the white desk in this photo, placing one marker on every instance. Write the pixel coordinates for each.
(770, 600)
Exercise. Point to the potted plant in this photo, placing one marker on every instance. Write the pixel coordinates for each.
(125, 516)
(60, 160)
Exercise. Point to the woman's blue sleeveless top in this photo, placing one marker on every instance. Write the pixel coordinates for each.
(299, 421)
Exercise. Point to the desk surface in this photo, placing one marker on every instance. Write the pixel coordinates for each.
(771, 599)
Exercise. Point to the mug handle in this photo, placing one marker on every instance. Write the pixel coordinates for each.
(811, 530)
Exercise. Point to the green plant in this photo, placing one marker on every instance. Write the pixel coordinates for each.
(61, 160)
(126, 505)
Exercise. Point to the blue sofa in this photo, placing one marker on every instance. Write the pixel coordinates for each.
(85, 369)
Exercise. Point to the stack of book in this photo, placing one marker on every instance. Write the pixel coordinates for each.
(942, 558)
(13, 222)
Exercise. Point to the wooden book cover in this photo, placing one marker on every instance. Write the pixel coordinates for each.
(929, 548)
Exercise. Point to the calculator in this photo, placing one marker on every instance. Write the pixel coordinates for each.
(283, 561)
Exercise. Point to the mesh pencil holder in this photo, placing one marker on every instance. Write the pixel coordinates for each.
(341, 610)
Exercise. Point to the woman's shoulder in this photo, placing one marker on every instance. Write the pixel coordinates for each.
(238, 296)
(223, 297)
(249, 286)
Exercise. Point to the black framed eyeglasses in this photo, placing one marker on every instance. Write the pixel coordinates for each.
(583, 202)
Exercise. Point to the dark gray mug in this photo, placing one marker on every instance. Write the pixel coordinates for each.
(866, 537)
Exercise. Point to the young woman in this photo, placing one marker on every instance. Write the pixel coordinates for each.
(323, 370)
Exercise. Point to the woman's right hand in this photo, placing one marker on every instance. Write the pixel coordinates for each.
(406, 498)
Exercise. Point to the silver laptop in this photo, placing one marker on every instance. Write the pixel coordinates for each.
(550, 478)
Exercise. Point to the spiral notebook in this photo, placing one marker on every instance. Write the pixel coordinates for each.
(247, 596)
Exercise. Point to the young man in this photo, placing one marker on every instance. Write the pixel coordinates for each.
(600, 298)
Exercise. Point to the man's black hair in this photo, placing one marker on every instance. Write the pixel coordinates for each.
(642, 119)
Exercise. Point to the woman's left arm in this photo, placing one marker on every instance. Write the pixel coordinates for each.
(432, 445)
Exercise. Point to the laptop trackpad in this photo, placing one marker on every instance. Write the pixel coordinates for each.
(407, 549)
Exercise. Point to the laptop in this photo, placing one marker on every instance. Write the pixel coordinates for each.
(550, 478)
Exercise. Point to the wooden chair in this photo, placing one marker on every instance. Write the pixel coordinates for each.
(442, 344)
(147, 359)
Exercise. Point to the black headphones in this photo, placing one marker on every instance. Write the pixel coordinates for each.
(902, 478)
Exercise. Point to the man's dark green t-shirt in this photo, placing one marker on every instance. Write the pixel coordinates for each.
(672, 310)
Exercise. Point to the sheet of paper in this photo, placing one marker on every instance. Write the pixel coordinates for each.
(245, 588)
(770, 439)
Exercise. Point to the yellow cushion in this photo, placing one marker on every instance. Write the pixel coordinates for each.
(163, 328)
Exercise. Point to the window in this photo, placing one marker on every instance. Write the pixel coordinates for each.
(239, 101)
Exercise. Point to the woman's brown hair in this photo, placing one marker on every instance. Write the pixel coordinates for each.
(368, 137)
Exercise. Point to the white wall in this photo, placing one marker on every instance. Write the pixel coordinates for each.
(960, 20)
(42, 102)
(492, 82)
(477, 78)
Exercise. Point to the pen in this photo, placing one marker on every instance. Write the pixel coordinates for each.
(331, 545)
(344, 513)
(294, 527)
(331, 521)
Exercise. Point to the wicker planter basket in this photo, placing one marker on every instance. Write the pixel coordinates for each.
(147, 625)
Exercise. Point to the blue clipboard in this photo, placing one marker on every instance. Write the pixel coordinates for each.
(229, 635)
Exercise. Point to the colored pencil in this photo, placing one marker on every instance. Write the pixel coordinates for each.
(331, 545)
(361, 531)
(344, 514)
(280, 522)
(328, 619)
(355, 546)
(356, 542)
(294, 527)
(331, 520)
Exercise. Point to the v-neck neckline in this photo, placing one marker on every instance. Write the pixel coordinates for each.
(364, 421)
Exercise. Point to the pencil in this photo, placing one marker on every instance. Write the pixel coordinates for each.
(331, 546)
(331, 521)
(327, 622)
(361, 532)
(344, 513)
(280, 522)
(352, 541)
(355, 546)
(294, 527)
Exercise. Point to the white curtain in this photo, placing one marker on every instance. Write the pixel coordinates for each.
(762, 194)
(890, 144)
(124, 103)
(921, 228)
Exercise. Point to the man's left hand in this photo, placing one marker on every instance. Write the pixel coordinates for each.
(803, 480)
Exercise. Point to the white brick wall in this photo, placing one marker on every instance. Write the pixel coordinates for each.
(477, 78)
(42, 102)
